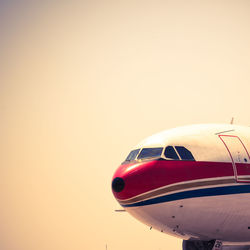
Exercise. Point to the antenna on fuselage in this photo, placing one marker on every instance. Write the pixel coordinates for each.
(232, 121)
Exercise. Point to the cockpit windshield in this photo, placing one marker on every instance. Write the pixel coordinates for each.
(132, 155)
(150, 153)
(184, 153)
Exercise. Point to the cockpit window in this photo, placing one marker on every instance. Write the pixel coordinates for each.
(170, 153)
(132, 155)
(150, 153)
(184, 153)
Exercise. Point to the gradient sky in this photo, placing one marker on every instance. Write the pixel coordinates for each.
(82, 82)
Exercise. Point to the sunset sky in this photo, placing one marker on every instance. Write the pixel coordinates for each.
(82, 82)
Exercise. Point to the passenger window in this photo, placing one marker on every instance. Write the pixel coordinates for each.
(150, 153)
(170, 153)
(184, 153)
(132, 155)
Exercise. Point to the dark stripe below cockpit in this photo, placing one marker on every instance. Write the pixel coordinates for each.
(205, 192)
(177, 187)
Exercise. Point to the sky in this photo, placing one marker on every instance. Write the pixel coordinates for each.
(81, 83)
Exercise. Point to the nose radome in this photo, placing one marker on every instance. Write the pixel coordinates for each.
(118, 184)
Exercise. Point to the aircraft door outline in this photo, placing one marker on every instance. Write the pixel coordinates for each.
(239, 157)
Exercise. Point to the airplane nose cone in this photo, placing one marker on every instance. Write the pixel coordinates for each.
(118, 184)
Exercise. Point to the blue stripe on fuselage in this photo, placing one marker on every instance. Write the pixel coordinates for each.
(216, 191)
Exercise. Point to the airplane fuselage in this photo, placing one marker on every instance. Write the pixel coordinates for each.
(191, 182)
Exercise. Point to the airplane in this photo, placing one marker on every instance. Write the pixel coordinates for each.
(192, 182)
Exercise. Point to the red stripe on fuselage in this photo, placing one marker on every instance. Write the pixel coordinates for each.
(146, 176)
